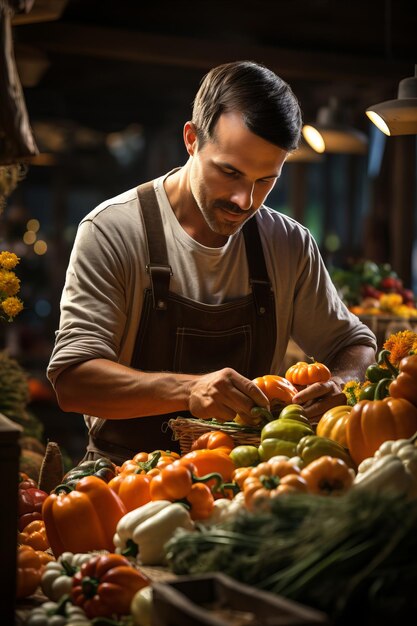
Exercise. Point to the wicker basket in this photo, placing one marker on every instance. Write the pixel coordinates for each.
(187, 430)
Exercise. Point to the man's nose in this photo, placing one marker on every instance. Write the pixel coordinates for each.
(243, 196)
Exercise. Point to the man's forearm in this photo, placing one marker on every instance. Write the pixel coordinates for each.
(351, 362)
(110, 390)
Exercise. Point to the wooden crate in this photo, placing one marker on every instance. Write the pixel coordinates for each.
(385, 325)
(218, 600)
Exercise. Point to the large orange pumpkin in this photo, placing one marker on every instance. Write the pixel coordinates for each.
(371, 422)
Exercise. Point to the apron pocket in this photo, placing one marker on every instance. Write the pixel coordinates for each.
(202, 351)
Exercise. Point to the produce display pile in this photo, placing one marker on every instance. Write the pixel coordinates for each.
(368, 288)
(321, 514)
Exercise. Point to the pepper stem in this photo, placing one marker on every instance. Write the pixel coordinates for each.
(89, 586)
(63, 489)
(131, 548)
(212, 476)
(260, 411)
(381, 388)
(383, 359)
(146, 466)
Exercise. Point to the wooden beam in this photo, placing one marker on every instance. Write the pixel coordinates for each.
(42, 11)
(189, 52)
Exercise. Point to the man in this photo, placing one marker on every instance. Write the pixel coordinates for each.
(173, 303)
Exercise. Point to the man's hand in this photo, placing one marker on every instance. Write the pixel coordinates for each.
(317, 398)
(223, 394)
(348, 364)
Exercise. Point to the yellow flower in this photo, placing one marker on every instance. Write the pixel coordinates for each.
(400, 345)
(352, 390)
(404, 311)
(9, 283)
(8, 260)
(12, 306)
(388, 301)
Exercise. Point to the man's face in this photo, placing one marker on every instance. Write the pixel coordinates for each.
(232, 174)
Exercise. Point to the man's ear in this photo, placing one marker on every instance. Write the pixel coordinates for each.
(190, 138)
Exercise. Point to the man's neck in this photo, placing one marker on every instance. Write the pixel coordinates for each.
(186, 211)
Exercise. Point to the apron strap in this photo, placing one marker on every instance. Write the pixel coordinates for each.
(158, 268)
(258, 274)
(160, 271)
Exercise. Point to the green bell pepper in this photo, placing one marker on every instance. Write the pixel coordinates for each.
(281, 437)
(102, 468)
(312, 447)
(375, 373)
(368, 392)
(245, 456)
(295, 412)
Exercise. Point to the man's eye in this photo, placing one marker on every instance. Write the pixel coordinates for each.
(230, 173)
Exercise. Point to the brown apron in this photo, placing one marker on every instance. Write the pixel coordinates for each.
(177, 334)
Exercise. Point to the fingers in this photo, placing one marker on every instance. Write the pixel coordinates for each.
(318, 390)
(318, 398)
(315, 409)
(223, 394)
(252, 395)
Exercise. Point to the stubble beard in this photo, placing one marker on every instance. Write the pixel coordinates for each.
(223, 227)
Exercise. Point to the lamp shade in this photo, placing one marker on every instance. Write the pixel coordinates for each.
(304, 154)
(398, 117)
(331, 132)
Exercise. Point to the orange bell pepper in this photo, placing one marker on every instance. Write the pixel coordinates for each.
(148, 462)
(29, 571)
(276, 388)
(132, 489)
(34, 535)
(208, 461)
(84, 519)
(173, 482)
(201, 501)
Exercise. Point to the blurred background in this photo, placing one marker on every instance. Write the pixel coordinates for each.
(108, 86)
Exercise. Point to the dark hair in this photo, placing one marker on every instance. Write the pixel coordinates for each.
(266, 102)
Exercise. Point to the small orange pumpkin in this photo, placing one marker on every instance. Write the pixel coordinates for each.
(328, 475)
(303, 373)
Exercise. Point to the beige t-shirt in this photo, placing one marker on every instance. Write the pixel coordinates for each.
(102, 298)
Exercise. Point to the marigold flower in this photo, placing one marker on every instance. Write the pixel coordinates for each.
(9, 283)
(400, 345)
(12, 306)
(8, 260)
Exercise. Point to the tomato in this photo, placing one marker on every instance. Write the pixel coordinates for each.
(213, 439)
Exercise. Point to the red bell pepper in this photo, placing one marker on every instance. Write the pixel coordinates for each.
(30, 502)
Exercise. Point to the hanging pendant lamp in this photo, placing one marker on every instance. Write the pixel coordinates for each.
(331, 132)
(398, 117)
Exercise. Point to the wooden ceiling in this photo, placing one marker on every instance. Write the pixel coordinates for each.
(106, 63)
